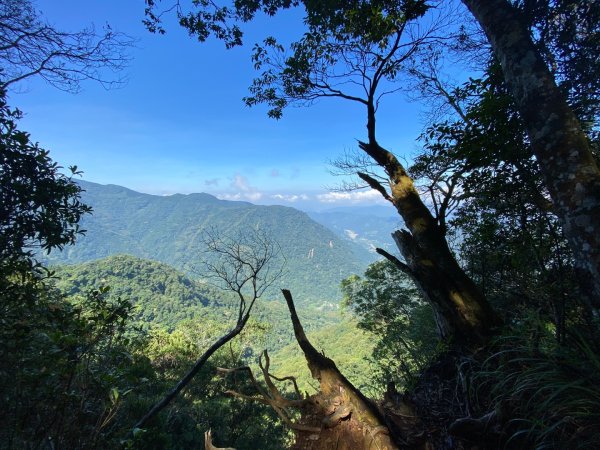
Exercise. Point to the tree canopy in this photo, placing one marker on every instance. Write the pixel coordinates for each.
(40, 205)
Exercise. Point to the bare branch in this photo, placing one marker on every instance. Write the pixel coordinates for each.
(374, 184)
(399, 264)
(273, 396)
(30, 47)
(244, 266)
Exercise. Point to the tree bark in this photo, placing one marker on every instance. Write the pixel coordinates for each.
(562, 149)
(461, 310)
(346, 418)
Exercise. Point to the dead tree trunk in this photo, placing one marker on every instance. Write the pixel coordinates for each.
(460, 309)
(208, 445)
(339, 416)
(570, 171)
(348, 420)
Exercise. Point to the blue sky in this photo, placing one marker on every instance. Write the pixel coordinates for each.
(179, 124)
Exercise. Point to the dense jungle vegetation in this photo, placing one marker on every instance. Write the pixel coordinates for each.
(481, 331)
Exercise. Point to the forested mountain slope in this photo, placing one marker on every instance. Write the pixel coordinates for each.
(165, 296)
(160, 293)
(170, 229)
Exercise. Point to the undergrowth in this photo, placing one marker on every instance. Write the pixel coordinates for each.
(546, 396)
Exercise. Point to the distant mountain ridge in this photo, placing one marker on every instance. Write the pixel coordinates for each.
(169, 229)
(369, 226)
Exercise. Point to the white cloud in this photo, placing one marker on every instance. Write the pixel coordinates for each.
(349, 197)
(289, 197)
(241, 182)
(222, 196)
(253, 196)
(244, 190)
(249, 196)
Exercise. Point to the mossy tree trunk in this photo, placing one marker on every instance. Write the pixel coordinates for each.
(562, 149)
(461, 310)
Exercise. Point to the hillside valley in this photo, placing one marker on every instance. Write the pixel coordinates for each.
(360, 225)
(166, 298)
(170, 229)
(367, 226)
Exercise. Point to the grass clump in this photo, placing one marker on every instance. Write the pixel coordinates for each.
(547, 396)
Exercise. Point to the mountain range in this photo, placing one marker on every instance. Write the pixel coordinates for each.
(170, 229)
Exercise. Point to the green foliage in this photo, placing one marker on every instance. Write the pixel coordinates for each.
(388, 306)
(204, 405)
(161, 358)
(40, 206)
(549, 395)
(508, 236)
(160, 293)
(371, 20)
(568, 35)
(66, 368)
(347, 345)
(165, 297)
(195, 315)
(350, 50)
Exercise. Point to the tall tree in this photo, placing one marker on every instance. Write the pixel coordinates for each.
(562, 149)
(387, 305)
(356, 52)
(510, 239)
(39, 206)
(63, 363)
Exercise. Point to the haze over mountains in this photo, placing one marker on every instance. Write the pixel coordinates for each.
(367, 226)
(169, 229)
